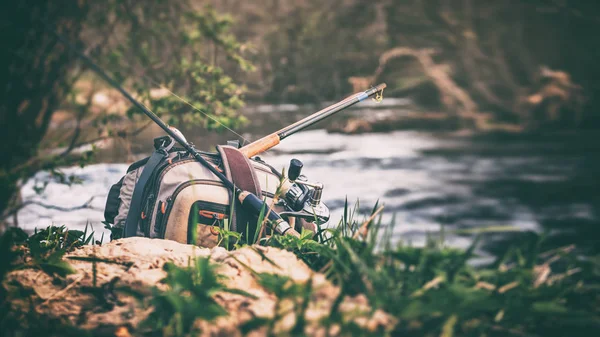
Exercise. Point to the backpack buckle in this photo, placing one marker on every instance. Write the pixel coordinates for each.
(164, 143)
(234, 143)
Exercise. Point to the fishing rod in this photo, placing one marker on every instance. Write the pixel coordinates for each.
(250, 202)
(269, 141)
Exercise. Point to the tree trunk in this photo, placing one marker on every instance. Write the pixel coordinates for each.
(35, 73)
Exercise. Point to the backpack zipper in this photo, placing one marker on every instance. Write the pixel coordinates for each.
(160, 217)
(147, 215)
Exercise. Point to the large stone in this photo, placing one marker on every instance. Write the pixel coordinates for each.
(137, 263)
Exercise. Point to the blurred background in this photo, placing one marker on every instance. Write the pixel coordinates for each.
(490, 118)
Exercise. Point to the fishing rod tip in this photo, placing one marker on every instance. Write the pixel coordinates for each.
(381, 86)
(374, 90)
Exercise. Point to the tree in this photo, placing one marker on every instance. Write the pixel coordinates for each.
(34, 83)
(169, 44)
(306, 50)
(518, 61)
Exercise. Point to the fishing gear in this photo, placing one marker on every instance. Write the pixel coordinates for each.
(301, 198)
(251, 203)
(275, 138)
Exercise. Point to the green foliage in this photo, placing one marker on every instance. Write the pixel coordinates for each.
(430, 291)
(229, 239)
(116, 232)
(43, 250)
(284, 288)
(59, 237)
(313, 253)
(189, 296)
(188, 58)
(48, 247)
(433, 290)
(11, 238)
(173, 45)
(312, 47)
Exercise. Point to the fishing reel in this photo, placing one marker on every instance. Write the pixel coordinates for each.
(302, 199)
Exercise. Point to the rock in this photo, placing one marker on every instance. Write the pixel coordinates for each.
(137, 264)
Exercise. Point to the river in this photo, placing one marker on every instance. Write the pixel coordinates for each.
(545, 183)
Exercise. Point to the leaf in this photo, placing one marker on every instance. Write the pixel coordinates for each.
(265, 257)
(61, 268)
(546, 307)
(239, 292)
(448, 327)
(499, 316)
(253, 324)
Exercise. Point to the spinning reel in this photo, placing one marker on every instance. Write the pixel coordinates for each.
(302, 199)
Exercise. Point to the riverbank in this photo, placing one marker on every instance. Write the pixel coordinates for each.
(285, 286)
(111, 286)
(429, 181)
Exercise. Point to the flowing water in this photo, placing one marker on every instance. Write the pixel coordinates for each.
(427, 180)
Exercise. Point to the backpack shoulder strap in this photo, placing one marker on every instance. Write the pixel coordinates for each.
(240, 170)
(135, 207)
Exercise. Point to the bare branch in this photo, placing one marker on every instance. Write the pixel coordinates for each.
(118, 134)
(85, 205)
(80, 114)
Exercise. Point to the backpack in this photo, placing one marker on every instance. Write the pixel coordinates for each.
(168, 193)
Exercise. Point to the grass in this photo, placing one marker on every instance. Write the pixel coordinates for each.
(46, 248)
(430, 291)
(434, 291)
(190, 296)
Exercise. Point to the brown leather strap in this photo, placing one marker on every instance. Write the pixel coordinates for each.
(239, 169)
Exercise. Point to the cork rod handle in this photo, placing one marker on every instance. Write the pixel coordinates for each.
(260, 145)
